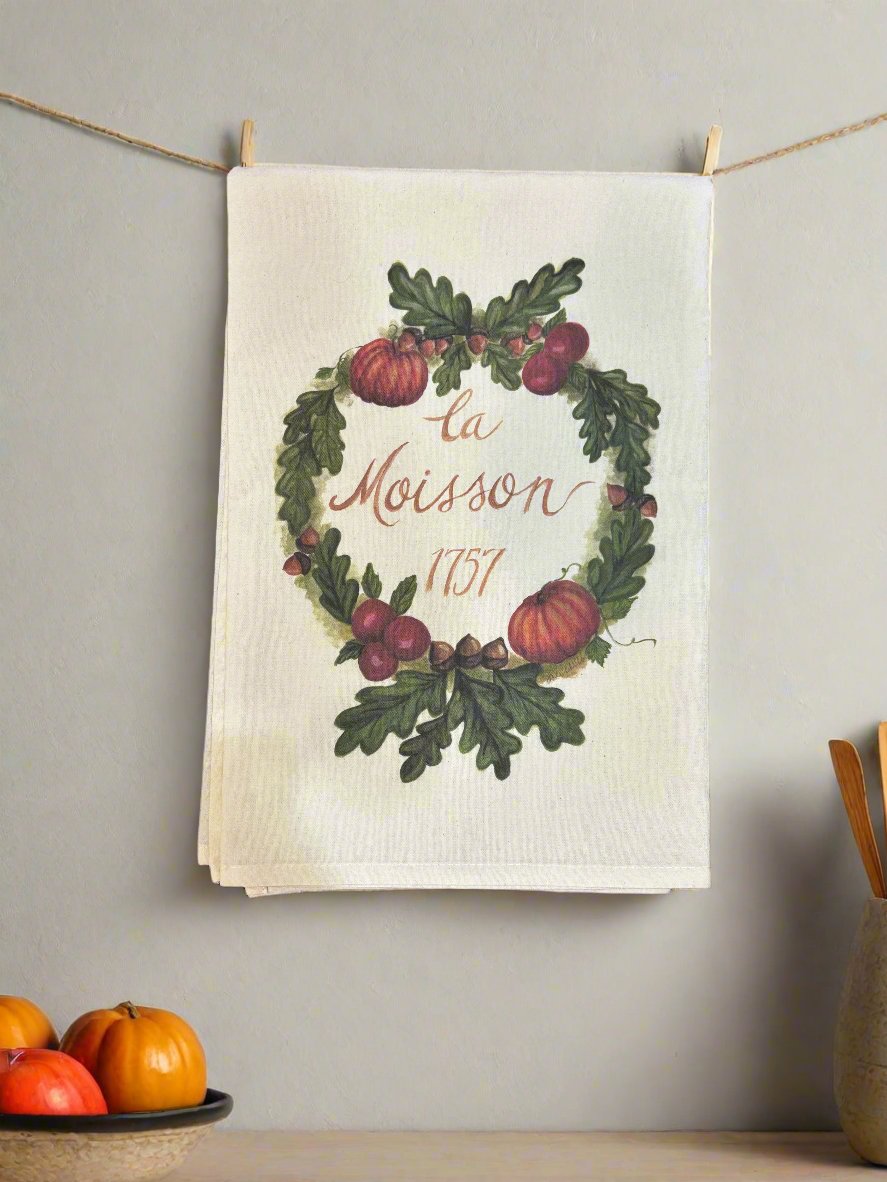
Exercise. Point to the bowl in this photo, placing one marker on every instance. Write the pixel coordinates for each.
(122, 1147)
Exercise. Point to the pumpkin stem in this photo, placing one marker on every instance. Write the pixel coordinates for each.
(131, 1011)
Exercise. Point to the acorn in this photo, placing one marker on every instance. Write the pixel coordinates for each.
(442, 344)
(515, 346)
(648, 506)
(406, 342)
(534, 332)
(617, 495)
(297, 564)
(494, 654)
(477, 342)
(441, 656)
(308, 539)
(468, 652)
(427, 348)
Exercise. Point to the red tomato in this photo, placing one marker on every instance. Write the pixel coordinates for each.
(47, 1083)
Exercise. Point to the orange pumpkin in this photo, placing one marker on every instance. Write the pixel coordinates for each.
(554, 623)
(22, 1024)
(143, 1059)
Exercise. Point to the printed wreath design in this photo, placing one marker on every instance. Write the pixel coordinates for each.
(492, 696)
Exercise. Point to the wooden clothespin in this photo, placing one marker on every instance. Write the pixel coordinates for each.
(712, 149)
(247, 154)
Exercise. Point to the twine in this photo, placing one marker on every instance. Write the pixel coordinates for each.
(215, 166)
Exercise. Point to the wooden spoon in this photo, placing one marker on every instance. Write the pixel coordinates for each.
(848, 770)
(882, 751)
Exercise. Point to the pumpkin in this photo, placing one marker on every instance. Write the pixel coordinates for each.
(22, 1024)
(389, 373)
(554, 623)
(143, 1059)
(38, 1082)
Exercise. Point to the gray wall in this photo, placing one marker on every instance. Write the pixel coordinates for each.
(423, 1010)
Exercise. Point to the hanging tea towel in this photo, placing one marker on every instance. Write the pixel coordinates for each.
(461, 598)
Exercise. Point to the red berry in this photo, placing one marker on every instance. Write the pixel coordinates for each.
(406, 342)
(543, 374)
(516, 345)
(567, 341)
(370, 619)
(534, 332)
(427, 348)
(441, 345)
(407, 638)
(477, 342)
(376, 663)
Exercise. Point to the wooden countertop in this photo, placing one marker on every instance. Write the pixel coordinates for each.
(521, 1157)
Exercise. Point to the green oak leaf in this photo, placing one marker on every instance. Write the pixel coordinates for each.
(338, 592)
(295, 484)
(612, 577)
(403, 595)
(529, 704)
(477, 703)
(533, 299)
(394, 709)
(453, 363)
(326, 426)
(425, 748)
(430, 305)
(504, 367)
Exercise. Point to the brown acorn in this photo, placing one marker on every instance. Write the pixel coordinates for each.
(308, 539)
(297, 564)
(442, 344)
(441, 656)
(534, 332)
(468, 652)
(617, 495)
(477, 342)
(427, 348)
(406, 342)
(494, 654)
(515, 346)
(648, 506)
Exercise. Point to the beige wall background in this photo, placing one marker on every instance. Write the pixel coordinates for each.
(442, 1009)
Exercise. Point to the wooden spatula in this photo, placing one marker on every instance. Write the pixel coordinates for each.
(848, 770)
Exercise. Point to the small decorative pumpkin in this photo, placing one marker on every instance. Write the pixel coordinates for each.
(389, 373)
(554, 623)
(143, 1059)
(38, 1082)
(22, 1024)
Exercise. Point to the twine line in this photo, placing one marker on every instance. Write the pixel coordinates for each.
(215, 166)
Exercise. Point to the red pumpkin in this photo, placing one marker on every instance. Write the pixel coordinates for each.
(389, 373)
(554, 623)
(37, 1082)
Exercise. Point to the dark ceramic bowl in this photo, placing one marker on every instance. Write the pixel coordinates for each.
(122, 1147)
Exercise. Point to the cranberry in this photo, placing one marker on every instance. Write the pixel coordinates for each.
(407, 638)
(376, 663)
(370, 619)
(567, 341)
(544, 374)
